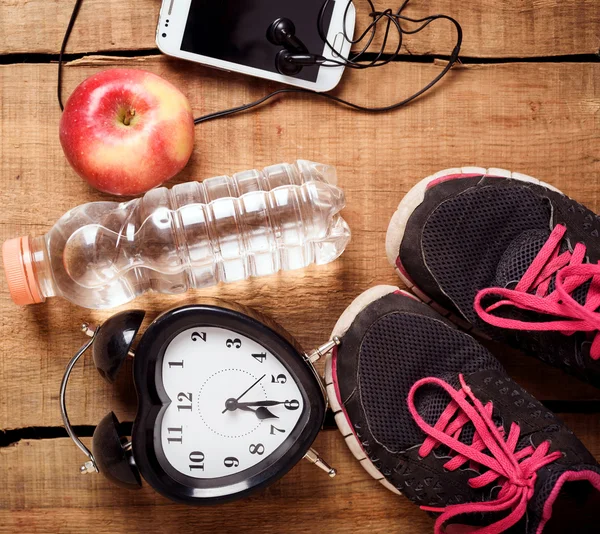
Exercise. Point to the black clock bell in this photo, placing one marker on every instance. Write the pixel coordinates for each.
(227, 403)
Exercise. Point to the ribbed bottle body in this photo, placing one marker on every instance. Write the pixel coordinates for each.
(198, 234)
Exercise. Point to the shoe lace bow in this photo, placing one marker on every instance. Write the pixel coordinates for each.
(532, 293)
(514, 471)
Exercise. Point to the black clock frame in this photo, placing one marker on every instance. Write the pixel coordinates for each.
(153, 401)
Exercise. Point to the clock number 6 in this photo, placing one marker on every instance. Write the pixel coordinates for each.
(237, 343)
(198, 458)
(198, 335)
(292, 404)
(259, 449)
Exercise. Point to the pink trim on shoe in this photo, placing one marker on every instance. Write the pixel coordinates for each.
(338, 395)
(417, 290)
(406, 294)
(569, 476)
(402, 269)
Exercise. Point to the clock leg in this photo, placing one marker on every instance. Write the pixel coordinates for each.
(313, 457)
(316, 354)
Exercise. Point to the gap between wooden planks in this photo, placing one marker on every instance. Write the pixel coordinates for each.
(44, 492)
(498, 29)
(541, 119)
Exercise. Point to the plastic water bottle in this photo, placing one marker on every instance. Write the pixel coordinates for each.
(255, 223)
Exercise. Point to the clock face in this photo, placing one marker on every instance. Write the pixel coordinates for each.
(233, 403)
(226, 404)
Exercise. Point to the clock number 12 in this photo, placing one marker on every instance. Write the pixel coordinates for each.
(183, 397)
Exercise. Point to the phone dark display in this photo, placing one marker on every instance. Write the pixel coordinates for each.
(235, 30)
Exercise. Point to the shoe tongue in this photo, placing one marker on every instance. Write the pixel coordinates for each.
(518, 257)
(431, 401)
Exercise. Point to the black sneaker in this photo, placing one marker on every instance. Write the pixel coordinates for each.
(511, 255)
(431, 414)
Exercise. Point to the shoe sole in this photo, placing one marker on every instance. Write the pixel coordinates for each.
(341, 417)
(412, 200)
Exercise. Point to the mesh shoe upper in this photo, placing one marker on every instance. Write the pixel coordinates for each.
(473, 233)
(396, 342)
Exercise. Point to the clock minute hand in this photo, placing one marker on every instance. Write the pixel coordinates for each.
(250, 387)
(244, 392)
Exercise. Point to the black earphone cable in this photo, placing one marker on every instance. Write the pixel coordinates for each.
(63, 47)
(369, 33)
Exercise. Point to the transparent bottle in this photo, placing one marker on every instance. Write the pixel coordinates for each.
(197, 234)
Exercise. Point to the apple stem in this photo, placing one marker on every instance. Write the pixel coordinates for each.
(128, 116)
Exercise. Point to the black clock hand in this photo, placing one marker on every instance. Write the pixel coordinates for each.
(261, 403)
(264, 413)
(228, 400)
(261, 412)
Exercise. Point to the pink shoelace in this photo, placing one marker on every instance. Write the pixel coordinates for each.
(515, 472)
(570, 273)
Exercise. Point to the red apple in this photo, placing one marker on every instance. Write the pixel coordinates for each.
(126, 131)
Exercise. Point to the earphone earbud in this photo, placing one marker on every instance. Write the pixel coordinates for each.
(294, 55)
(111, 455)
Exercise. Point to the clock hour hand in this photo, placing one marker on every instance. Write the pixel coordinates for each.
(265, 413)
(261, 403)
(261, 411)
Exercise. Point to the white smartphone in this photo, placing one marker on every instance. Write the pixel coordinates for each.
(231, 35)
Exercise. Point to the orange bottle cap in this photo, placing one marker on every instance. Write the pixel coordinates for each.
(18, 268)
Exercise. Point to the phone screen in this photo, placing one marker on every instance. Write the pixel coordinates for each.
(236, 30)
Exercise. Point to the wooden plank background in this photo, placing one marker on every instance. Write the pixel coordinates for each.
(507, 28)
(540, 117)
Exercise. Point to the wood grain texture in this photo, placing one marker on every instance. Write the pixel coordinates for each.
(507, 28)
(541, 119)
(44, 492)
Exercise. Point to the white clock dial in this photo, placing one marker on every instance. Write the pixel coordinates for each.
(233, 403)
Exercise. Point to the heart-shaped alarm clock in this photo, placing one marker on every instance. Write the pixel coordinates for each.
(227, 402)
